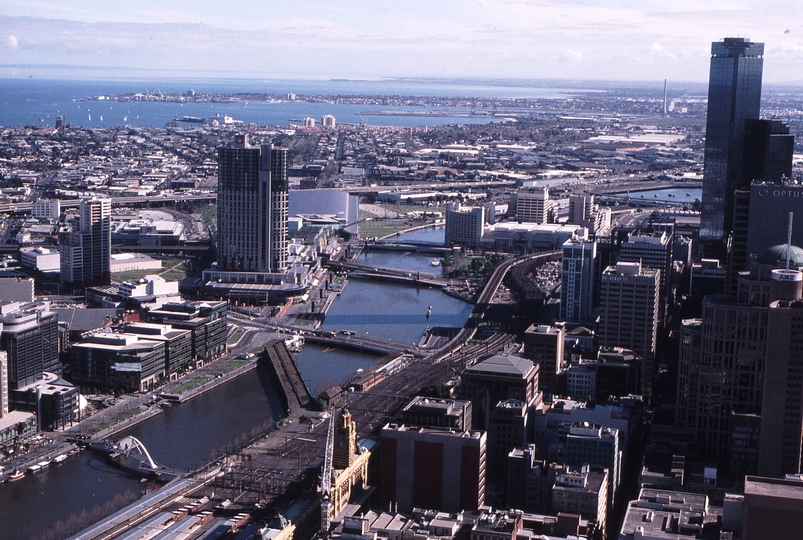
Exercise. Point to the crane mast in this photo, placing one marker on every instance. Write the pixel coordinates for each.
(326, 476)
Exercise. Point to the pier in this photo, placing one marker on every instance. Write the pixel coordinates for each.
(296, 393)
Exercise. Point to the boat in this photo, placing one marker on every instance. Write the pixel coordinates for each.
(59, 458)
(16, 475)
(435, 262)
(191, 119)
(34, 469)
(294, 343)
(429, 311)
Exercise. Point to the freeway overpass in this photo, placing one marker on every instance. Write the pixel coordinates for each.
(120, 201)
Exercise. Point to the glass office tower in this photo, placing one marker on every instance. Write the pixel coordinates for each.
(734, 95)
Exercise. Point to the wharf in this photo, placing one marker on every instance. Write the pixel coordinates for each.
(296, 392)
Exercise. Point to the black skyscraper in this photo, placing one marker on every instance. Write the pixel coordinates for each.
(767, 158)
(734, 95)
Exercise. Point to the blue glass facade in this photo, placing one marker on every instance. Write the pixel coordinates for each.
(734, 95)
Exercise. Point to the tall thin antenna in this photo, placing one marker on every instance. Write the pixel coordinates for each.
(789, 239)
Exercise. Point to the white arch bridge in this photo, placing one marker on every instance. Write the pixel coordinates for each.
(130, 453)
(131, 447)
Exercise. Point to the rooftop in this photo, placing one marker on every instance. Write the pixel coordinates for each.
(503, 364)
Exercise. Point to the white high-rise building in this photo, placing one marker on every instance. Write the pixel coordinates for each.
(46, 209)
(464, 225)
(532, 205)
(577, 279)
(328, 121)
(628, 301)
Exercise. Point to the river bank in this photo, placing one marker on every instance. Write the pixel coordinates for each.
(128, 411)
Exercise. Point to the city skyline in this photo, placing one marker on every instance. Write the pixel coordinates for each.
(624, 40)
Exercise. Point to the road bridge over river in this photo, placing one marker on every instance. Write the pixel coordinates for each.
(363, 343)
(406, 276)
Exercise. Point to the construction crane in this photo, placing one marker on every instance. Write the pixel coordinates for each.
(343, 231)
(326, 476)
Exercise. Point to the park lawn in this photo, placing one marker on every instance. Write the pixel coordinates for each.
(404, 208)
(384, 227)
(176, 269)
(172, 270)
(229, 366)
(120, 417)
(209, 217)
(189, 385)
(235, 337)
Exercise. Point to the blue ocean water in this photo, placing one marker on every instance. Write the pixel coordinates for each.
(39, 101)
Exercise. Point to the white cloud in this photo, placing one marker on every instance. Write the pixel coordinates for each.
(12, 42)
(625, 39)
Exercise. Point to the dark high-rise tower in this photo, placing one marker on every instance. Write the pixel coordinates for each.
(252, 208)
(734, 95)
(767, 158)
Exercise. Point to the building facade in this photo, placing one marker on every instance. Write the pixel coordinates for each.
(629, 309)
(543, 344)
(252, 208)
(464, 225)
(720, 372)
(577, 280)
(431, 468)
(85, 246)
(781, 433)
(734, 95)
(30, 336)
(597, 446)
(532, 204)
(206, 321)
(499, 378)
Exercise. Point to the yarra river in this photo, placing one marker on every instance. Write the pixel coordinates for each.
(187, 435)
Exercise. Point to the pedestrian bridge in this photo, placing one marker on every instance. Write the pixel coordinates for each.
(130, 453)
(132, 447)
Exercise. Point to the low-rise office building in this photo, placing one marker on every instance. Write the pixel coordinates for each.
(118, 362)
(431, 468)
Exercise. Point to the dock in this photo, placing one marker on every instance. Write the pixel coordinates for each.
(297, 394)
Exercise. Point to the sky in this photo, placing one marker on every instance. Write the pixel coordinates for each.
(623, 40)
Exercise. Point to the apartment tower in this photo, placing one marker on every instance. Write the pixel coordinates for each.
(252, 208)
(85, 246)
